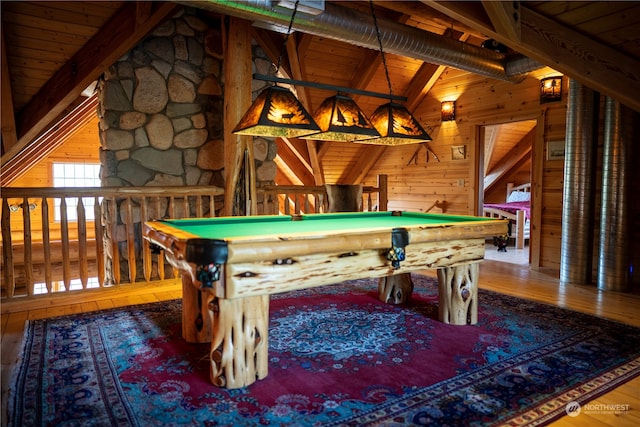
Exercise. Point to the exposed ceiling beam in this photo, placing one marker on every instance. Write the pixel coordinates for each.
(421, 83)
(427, 76)
(290, 67)
(47, 142)
(298, 163)
(588, 61)
(272, 45)
(304, 97)
(421, 14)
(490, 139)
(118, 36)
(367, 69)
(365, 163)
(7, 118)
(505, 16)
(285, 173)
(368, 154)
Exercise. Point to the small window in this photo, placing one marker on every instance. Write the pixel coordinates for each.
(76, 175)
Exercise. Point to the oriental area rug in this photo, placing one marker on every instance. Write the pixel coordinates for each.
(337, 357)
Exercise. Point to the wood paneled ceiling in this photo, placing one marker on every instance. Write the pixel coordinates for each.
(52, 51)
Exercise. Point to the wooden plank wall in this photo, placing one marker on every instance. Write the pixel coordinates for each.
(83, 146)
(479, 101)
(552, 185)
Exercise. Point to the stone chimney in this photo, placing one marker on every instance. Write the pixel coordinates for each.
(161, 116)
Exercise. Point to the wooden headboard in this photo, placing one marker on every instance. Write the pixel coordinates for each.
(526, 188)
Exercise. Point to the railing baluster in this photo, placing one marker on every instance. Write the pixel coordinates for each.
(99, 230)
(46, 244)
(7, 250)
(131, 244)
(28, 247)
(82, 244)
(185, 207)
(296, 203)
(199, 210)
(159, 256)
(147, 264)
(64, 236)
(115, 252)
(307, 205)
(159, 215)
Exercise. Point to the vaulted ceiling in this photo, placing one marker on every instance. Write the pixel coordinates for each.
(53, 51)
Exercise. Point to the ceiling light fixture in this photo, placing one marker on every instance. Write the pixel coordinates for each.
(340, 119)
(276, 112)
(393, 121)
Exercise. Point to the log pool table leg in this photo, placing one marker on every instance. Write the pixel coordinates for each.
(395, 289)
(236, 328)
(239, 347)
(458, 294)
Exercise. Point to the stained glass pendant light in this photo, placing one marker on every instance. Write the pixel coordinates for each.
(276, 112)
(396, 126)
(393, 121)
(340, 119)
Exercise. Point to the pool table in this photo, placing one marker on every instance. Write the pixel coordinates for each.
(230, 266)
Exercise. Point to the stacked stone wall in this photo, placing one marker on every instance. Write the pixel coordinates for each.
(161, 118)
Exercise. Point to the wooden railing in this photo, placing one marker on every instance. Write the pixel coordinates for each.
(48, 248)
(296, 199)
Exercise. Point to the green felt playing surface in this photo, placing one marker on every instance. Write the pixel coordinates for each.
(245, 226)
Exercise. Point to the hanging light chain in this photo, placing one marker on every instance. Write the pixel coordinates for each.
(384, 61)
(286, 37)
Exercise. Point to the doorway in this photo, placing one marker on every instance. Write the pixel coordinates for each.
(507, 161)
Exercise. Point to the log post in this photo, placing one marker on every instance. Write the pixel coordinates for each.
(458, 294)
(239, 348)
(237, 99)
(383, 194)
(395, 289)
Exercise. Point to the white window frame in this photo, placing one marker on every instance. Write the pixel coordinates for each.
(74, 174)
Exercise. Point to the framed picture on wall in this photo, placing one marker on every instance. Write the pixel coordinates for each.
(555, 150)
(458, 152)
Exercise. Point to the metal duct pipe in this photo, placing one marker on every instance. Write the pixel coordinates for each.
(578, 201)
(614, 272)
(355, 27)
(519, 64)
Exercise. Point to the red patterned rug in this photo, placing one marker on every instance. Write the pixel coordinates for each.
(337, 357)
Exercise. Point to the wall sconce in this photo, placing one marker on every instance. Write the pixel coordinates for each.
(551, 89)
(448, 111)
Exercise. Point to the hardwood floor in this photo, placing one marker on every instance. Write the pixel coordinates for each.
(506, 278)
